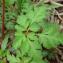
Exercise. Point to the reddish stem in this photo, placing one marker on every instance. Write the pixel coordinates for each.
(3, 17)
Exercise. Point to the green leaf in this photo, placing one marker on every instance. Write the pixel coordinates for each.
(4, 43)
(23, 21)
(25, 46)
(34, 52)
(41, 13)
(39, 61)
(17, 42)
(26, 59)
(34, 27)
(9, 2)
(32, 36)
(19, 28)
(50, 37)
(13, 59)
(10, 26)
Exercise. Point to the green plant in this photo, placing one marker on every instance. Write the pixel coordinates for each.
(7, 16)
(33, 32)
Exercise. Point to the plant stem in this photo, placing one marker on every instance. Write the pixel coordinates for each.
(3, 17)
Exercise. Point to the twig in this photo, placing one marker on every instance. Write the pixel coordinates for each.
(3, 17)
(53, 2)
(60, 47)
(58, 61)
(59, 15)
(59, 51)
